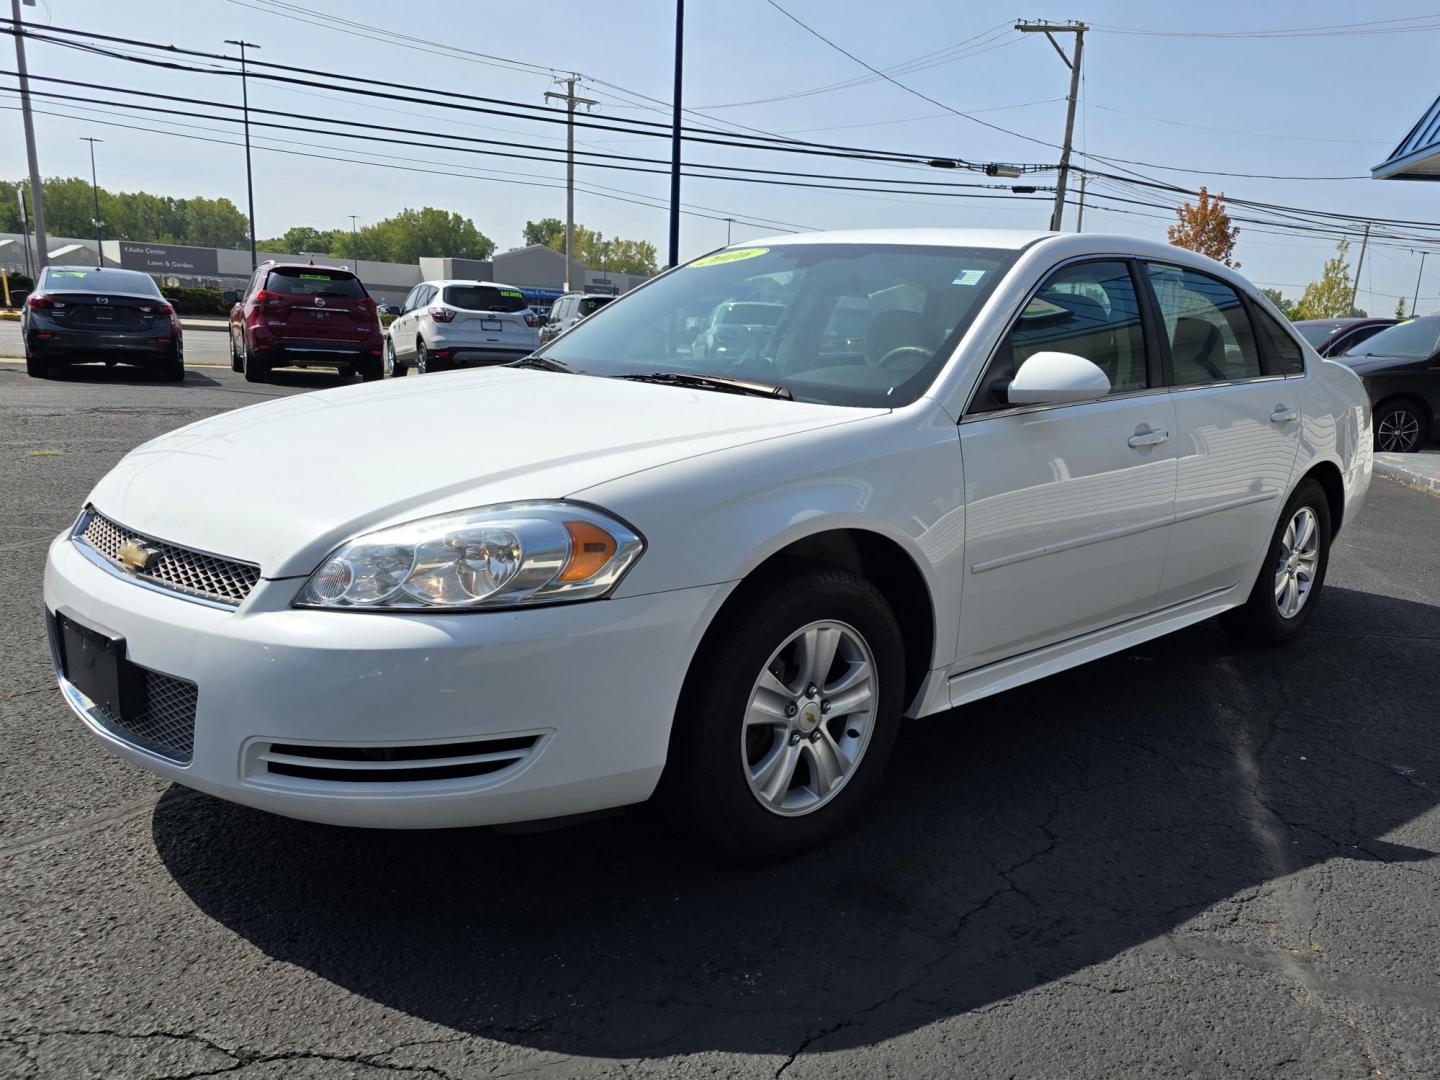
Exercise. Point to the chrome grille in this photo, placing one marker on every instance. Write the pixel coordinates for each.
(164, 721)
(183, 570)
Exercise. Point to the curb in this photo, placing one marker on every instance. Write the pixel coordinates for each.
(1412, 476)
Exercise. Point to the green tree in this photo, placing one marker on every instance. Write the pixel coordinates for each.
(303, 238)
(545, 232)
(1287, 307)
(1329, 298)
(1205, 227)
(618, 255)
(1400, 307)
(411, 234)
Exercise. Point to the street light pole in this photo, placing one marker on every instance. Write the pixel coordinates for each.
(1415, 304)
(95, 190)
(37, 197)
(354, 238)
(570, 102)
(728, 222)
(1073, 63)
(249, 178)
(675, 134)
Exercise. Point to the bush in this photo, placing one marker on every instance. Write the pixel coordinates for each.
(195, 301)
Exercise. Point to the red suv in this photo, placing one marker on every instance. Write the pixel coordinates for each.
(296, 315)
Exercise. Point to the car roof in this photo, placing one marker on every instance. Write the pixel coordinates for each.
(1005, 239)
(441, 282)
(277, 265)
(1345, 323)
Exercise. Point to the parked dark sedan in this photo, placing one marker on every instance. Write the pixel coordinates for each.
(84, 314)
(1401, 370)
(1331, 337)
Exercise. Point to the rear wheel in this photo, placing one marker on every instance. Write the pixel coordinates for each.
(256, 370)
(371, 368)
(423, 364)
(173, 370)
(1400, 427)
(1292, 576)
(788, 714)
(393, 367)
(36, 367)
(237, 362)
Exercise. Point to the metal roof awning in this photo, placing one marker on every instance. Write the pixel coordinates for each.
(1418, 155)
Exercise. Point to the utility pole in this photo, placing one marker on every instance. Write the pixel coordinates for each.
(1415, 304)
(570, 102)
(354, 238)
(37, 196)
(728, 222)
(1073, 63)
(1080, 210)
(95, 190)
(1359, 264)
(675, 134)
(249, 177)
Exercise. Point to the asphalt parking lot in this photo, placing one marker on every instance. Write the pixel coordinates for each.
(1188, 860)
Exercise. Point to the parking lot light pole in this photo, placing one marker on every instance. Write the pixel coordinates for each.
(675, 135)
(37, 199)
(245, 102)
(95, 190)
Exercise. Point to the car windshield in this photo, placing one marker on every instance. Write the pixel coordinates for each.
(1317, 333)
(1414, 339)
(316, 281)
(843, 324)
(91, 279)
(484, 298)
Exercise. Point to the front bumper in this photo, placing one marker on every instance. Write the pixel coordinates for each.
(590, 687)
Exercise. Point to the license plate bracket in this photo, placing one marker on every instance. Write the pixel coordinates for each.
(93, 661)
(491, 324)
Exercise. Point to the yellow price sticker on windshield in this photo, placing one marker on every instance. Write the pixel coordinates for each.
(720, 258)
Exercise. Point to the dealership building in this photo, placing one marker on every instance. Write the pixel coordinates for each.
(537, 271)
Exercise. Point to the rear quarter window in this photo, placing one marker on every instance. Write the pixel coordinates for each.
(316, 282)
(484, 298)
(1288, 358)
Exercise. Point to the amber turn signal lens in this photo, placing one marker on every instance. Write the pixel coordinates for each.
(590, 549)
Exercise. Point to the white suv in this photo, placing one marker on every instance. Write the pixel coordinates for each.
(445, 324)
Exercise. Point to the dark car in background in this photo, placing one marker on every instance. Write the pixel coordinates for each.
(569, 310)
(300, 315)
(1331, 337)
(1400, 367)
(91, 314)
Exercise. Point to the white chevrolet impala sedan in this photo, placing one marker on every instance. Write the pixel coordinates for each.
(957, 461)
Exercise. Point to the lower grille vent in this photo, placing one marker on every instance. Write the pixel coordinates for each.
(406, 764)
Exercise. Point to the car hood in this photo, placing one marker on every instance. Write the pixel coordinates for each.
(1365, 363)
(282, 483)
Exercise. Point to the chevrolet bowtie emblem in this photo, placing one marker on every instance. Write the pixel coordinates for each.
(136, 557)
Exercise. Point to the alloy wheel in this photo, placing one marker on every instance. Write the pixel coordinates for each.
(810, 718)
(1299, 559)
(389, 359)
(421, 359)
(1398, 431)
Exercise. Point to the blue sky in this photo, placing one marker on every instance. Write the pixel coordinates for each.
(1305, 106)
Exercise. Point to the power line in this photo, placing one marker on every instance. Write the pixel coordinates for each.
(1376, 26)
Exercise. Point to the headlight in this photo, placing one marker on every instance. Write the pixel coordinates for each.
(493, 557)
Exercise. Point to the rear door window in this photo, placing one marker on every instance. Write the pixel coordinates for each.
(316, 281)
(1211, 340)
(484, 298)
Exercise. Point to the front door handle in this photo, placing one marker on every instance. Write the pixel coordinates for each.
(1284, 415)
(1147, 438)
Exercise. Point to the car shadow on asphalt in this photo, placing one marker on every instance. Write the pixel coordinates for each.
(122, 375)
(1018, 841)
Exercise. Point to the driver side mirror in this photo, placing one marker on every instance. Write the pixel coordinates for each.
(1050, 378)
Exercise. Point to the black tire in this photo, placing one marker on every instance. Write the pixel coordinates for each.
(370, 369)
(423, 364)
(397, 369)
(1401, 426)
(173, 370)
(256, 370)
(36, 367)
(1259, 620)
(705, 778)
(237, 363)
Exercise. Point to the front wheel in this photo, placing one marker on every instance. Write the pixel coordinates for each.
(1399, 428)
(788, 714)
(1292, 576)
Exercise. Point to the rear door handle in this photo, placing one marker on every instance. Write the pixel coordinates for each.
(1147, 438)
(1283, 415)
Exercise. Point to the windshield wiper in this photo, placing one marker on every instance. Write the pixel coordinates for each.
(544, 363)
(720, 383)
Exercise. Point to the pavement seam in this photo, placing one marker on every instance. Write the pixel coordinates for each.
(114, 817)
